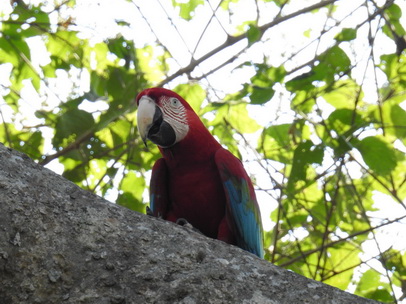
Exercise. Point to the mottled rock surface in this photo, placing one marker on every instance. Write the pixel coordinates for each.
(60, 244)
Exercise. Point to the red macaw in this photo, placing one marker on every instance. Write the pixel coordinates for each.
(197, 180)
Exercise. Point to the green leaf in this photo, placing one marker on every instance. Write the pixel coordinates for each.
(382, 295)
(389, 64)
(303, 102)
(261, 95)
(133, 187)
(223, 131)
(101, 50)
(123, 49)
(303, 82)
(66, 46)
(15, 50)
(72, 124)
(127, 199)
(105, 135)
(254, 34)
(133, 184)
(391, 116)
(151, 70)
(32, 144)
(6, 53)
(349, 216)
(75, 175)
(394, 262)
(188, 8)
(121, 86)
(369, 286)
(120, 131)
(305, 154)
(266, 76)
(262, 82)
(394, 13)
(377, 154)
(345, 121)
(193, 93)
(398, 117)
(394, 67)
(98, 84)
(297, 219)
(344, 94)
(333, 62)
(280, 134)
(28, 142)
(347, 34)
(275, 143)
(342, 258)
(73, 171)
(26, 22)
(307, 32)
(237, 117)
(96, 171)
(27, 72)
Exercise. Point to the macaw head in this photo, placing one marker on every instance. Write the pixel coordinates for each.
(163, 117)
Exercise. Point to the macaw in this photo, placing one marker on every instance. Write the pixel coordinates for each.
(197, 181)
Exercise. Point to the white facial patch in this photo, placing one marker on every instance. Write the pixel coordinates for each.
(175, 114)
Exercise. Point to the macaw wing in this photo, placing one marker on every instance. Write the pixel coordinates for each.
(158, 190)
(242, 208)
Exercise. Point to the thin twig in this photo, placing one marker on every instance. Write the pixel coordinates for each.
(231, 40)
(331, 244)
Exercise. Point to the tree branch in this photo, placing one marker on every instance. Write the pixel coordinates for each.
(231, 40)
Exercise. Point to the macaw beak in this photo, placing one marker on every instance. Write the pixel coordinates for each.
(151, 124)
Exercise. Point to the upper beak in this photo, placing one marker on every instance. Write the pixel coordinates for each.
(151, 124)
(145, 116)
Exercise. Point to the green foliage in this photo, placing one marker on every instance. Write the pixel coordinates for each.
(334, 136)
(377, 154)
(253, 34)
(188, 8)
(371, 287)
(306, 153)
(394, 26)
(193, 93)
(132, 188)
(275, 143)
(347, 34)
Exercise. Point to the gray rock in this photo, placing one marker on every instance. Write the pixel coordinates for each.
(61, 244)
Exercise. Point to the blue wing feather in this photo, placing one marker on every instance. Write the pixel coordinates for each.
(242, 206)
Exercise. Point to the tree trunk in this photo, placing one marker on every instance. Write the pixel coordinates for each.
(61, 244)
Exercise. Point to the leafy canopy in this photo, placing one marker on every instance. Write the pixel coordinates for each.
(316, 111)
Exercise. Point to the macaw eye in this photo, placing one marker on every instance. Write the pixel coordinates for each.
(175, 102)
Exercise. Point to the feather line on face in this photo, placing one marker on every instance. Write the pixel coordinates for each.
(175, 114)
